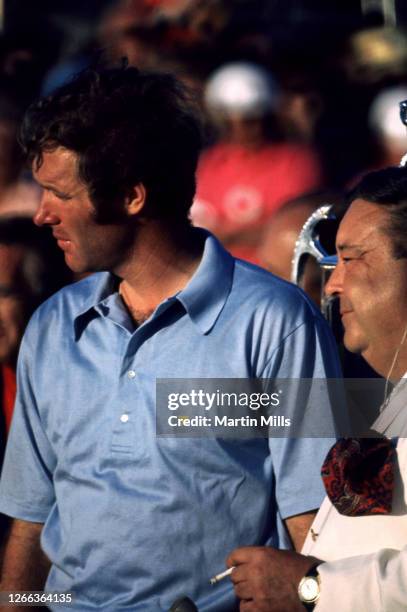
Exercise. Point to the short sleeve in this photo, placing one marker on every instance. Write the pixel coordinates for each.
(26, 486)
(307, 354)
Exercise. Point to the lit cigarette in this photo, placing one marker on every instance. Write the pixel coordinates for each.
(221, 576)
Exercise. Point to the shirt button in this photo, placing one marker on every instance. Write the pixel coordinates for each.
(131, 373)
(124, 418)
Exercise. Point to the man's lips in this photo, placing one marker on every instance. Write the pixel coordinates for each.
(59, 236)
(62, 240)
(344, 307)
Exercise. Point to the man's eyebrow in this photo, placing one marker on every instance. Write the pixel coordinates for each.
(348, 247)
(44, 185)
(51, 188)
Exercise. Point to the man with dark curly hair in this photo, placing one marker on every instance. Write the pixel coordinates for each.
(129, 520)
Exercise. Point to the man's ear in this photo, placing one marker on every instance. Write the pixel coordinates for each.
(135, 202)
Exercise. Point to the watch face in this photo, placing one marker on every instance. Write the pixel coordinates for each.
(309, 589)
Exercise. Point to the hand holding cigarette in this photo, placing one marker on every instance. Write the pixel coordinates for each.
(221, 576)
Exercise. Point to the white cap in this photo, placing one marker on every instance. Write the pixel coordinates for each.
(384, 114)
(241, 88)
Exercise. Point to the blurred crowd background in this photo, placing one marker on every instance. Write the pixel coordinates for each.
(298, 97)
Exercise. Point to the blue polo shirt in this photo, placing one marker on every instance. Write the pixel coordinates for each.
(133, 521)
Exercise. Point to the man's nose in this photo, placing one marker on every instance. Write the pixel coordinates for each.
(334, 284)
(45, 214)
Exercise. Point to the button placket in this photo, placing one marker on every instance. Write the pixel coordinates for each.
(123, 434)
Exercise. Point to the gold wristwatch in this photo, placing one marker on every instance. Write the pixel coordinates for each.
(309, 588)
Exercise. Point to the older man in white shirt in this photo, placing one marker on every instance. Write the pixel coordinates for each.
(355, 562)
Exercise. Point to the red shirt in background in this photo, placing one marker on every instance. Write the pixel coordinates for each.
(239, 189)
(9, 393)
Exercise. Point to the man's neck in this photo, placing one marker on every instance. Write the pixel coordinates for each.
(392, 365)
(160, 264)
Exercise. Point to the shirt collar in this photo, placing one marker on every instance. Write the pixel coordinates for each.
(206, 293)
(91, 292)
(203, 298)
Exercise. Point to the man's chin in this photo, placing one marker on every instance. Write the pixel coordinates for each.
(77, 267)
(81, 271)
(353, 343)
(81, 267)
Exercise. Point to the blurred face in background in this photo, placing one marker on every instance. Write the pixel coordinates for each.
(13, 302)
(9, 154)
(249, 133)
(277, 246)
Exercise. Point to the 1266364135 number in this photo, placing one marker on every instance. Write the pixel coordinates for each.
(34, 598)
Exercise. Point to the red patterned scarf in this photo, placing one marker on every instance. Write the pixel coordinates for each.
(358, 475)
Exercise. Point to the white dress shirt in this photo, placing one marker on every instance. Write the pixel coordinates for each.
(366, 556)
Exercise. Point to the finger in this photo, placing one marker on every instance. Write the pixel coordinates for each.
(243, 555)
(240, 573)
(258, 570)
(246, 606)
(255, 606)
(244, 591)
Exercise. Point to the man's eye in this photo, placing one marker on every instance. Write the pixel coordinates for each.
(347, 260)
(60, 196)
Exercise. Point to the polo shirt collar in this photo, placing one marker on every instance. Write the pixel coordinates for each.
(102, 284)
(206, 293)
(203, 298)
